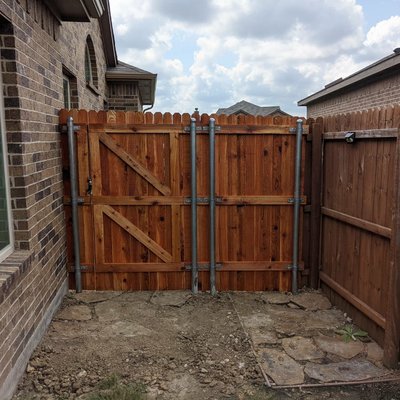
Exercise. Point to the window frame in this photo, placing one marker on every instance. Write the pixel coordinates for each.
(67, 100)
(88, 65)
(9, 249)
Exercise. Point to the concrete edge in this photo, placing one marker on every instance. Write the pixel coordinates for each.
(10, 384)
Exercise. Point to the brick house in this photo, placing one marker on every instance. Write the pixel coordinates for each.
(377, 85)
(246, 108)
(54, 54)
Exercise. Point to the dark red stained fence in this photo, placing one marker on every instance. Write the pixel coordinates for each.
(135, 225)
(359, 248)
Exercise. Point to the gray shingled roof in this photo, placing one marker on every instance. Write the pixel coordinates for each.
(244, 107)
(124, 68)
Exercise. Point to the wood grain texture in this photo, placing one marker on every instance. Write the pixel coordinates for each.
(140, 166)
(359, 222)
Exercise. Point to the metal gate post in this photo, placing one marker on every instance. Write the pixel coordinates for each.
(74, 202)
(297, 201)
(212, 206)
(195, 273)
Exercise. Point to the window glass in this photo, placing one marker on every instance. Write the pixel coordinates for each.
(88, 66)
(6, 243)
(67, 92)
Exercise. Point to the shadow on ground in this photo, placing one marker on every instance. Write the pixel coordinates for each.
(179, 346)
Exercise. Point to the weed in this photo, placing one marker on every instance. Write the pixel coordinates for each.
(349, 332)
(111, 388)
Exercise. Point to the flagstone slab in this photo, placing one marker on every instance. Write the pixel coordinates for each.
(301, 348)
(311, 301)
(374, 352)
(276, 298)
(299, 322)
(91, 297)
(281, 368)
(345, 371)
(339, 347)
(172, 298)
(263, 337)
(75, 313)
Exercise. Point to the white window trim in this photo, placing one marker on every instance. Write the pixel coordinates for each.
(4, 253)
(67, 79)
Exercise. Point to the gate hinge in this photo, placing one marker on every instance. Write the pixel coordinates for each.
(300, 200)
(204, 200)
(82, 268)
(200, 200)
(201, 128)
(203, 267)
(64, 128)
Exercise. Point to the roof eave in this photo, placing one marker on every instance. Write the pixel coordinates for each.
(126, 77)
(107, 33)
(372, 72)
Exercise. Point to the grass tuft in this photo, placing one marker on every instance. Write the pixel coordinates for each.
(111, 388)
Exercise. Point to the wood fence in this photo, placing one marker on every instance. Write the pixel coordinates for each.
(135, 220)
(355, 220)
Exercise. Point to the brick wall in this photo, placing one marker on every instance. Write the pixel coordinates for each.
(34, 49)
(378, 94)
(123, 96)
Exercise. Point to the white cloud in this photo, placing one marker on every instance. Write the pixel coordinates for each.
(385, 32)
(268, 52)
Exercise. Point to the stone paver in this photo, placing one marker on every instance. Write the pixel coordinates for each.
(91, 297)
(311, 301)
(374, 352)
(281, 368)
(172, 299)
(346, 371)
(75, 313)
(262, 337)
(276, 298)
(258, 321)
(125, 328)
(299, 322)
(339, 347)
(301, 348)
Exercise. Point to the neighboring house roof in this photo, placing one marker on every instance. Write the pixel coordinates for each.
(146, 80)
(244, 107)
(83, 10)
(371, 73)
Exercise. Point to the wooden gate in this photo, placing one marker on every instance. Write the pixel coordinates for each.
(359, 209)
(134, 178)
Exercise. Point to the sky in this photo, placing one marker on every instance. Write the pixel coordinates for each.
(214, 53)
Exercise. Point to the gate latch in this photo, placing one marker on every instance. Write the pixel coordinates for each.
(89, 186)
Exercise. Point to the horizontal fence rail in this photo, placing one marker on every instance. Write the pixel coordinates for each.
(136, 219)
(359, 219)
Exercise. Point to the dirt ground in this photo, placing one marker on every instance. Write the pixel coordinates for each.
(179, 346)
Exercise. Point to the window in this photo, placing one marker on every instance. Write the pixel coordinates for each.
(90, 63)
(70, 90)
(6, 234)
(67, 92)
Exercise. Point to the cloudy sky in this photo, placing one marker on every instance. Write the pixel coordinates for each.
(214, 53)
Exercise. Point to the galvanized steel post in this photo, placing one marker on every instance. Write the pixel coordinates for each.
(195, 273)
(74, 202)
(212, 206)
(297, 201)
